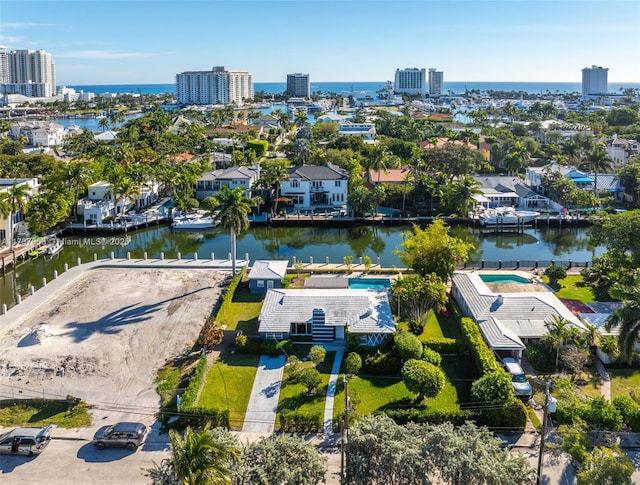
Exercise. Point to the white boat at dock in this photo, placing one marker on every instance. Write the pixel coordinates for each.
(54, 247)
(194, 221)
(505, 216)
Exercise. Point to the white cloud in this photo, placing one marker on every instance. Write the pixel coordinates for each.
(104, 55)
(22, 25)
(10, 40)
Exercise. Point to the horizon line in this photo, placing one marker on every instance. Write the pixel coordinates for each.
(350, 81)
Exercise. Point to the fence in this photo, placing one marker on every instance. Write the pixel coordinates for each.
(524, 264)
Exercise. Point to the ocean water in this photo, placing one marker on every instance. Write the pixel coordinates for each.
(457, 87)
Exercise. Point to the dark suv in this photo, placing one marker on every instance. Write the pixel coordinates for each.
(120, 435)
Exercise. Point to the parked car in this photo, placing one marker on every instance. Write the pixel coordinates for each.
(120, 435)
(519, 381)
(26, 441)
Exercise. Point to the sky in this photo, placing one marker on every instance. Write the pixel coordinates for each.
(150, 41)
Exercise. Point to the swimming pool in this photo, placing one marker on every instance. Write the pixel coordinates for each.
(367, 283)
(504, 278)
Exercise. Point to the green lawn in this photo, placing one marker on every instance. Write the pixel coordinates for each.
(242, 312)
(570, 289)
(43, 413)
(438, 326)
(293, 396)
(228, 385)
(624, 382)
(377, 393)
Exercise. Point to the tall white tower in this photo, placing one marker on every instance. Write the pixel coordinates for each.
(411, 81)
(4, 65)
(34, 68)
(594, 81)
(436, 81)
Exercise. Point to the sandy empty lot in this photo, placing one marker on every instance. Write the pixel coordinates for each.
(103, 337)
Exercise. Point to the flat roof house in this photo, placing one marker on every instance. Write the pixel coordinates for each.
(326, 315)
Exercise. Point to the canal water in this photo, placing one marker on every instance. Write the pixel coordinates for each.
(303, 243)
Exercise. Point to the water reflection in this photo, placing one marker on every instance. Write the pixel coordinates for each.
(304, 243)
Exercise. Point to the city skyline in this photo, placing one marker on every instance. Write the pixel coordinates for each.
(143, 41)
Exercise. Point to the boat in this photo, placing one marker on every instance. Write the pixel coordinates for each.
(54, 248)
(506, 216)
(194, 221)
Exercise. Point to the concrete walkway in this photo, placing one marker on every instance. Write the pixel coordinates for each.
(263, 402)
(331, 393)
(605, 387)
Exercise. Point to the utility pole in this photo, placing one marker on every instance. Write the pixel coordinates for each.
(549, 405)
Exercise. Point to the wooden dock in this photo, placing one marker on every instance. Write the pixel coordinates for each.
(20, 252)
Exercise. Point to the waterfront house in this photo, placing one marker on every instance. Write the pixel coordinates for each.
(506, 190)
(390, 176)
(39, 133)
(15, 226)
(211, 182)
(366, 131)
(327, 315)
(311, 187)
(511, 308)
(266, 274)
(620, 149)
(101, 203)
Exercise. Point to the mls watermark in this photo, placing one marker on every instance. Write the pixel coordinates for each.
(98, 241)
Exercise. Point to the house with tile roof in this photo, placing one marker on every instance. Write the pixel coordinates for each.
(211, 182)
(327, 315)
(267, 274)
(311, 187)
(507, 190)
(511, 308)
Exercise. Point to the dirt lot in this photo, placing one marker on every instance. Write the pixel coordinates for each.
(103, 337)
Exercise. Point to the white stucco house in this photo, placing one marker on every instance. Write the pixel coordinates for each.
(327, 315)
(366, 131)
(316, 187)
(100, 202)
(210, 183)
(511, 308)
(15, 226)
(39, 133)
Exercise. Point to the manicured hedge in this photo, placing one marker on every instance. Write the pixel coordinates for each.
(512, 416)
(191, 393)
(404, 416)
(292, 421)
(482, 355)
(198, 417)
(443, 345)
(276, 347)
(381, 363)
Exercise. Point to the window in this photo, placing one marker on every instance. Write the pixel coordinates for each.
(295, 183)
(260, 283)
(338, 183)
(300, 328)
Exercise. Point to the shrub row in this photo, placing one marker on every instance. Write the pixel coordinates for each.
(190, 394)
(198, 417)
(259, 346)
(483, 357)
(227, 296)
(512, 416)
(443, 345)
(630, 412)
(381, 363)
(597, 412)
(292, 421)
(404, 416)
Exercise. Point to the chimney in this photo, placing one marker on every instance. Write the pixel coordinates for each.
(500, 300)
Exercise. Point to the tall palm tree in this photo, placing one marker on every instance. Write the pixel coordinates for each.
(104, 123)
(274, 172)
(124, 190)
(559, 330)
(77, 177)
(598, 159)
(16, 199)
(627, 318)
(232, 210)
(199, 459)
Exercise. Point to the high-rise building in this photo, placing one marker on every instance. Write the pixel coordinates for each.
(298, 85)
(217, 86)
(436, 81)
(594, 80)
(4, 65)
(33, 69)
(411, 81)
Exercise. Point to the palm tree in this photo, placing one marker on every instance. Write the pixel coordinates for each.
(599, 159)
(125, 190)
(15, 198)
(559, 330)
(627, 318)
(274, 172)
(77, 176)
(104, 123)
(232, 211)
(199, 459)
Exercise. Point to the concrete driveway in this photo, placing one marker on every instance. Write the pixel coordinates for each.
(263, 402)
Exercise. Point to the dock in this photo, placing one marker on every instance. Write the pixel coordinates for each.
(20, 252)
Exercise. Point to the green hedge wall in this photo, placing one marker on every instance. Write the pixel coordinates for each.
(482, 355)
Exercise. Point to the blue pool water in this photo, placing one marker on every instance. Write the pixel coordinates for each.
(367, 283)
(507, 278)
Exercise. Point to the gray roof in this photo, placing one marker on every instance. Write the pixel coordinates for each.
(523, 313)
(317, 172)
(326, 282)
(231, 173)
(362, 311)
(268, 270)
(498, 337)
